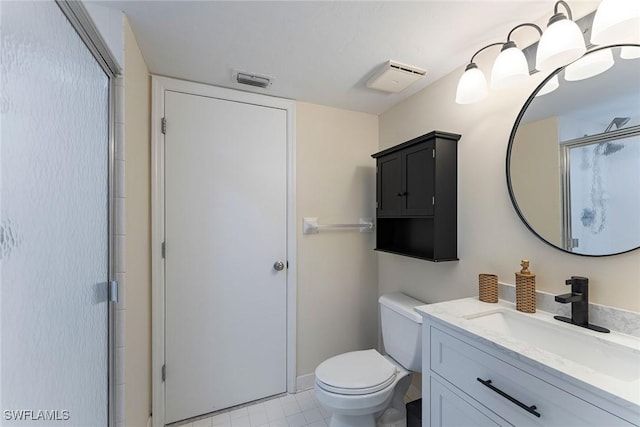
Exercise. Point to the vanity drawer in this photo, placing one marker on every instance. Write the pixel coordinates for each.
(509, 391)
(451, 409)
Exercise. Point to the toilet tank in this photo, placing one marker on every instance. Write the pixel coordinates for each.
(401, 329)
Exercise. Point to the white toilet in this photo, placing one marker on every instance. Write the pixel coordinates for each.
(359, 386)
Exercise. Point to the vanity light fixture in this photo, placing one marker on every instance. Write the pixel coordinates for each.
(589, 65)
(472, 86)
(561, 43)
(630, 52)
(550, 86)
(616, 22)
(510, 67)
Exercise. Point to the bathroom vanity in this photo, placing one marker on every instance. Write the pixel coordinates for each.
(488, 364)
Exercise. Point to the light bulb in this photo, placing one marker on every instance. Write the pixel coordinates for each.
(549, 87)
(616, 22)
(472, 86)
(589, 65)
(510, 67)
(561, 44)
(630, 52)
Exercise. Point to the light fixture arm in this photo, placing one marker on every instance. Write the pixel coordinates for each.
(523, 25)
(487, 46)
(566, 6)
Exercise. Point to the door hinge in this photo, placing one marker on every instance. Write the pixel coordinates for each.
(434, 153)
(163, 126)
(113, 291)
(163, 249)
(433, 200)
(164, 372)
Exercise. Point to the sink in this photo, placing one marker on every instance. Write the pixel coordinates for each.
(580, 346)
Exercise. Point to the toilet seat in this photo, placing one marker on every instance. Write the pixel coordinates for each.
(356, 373)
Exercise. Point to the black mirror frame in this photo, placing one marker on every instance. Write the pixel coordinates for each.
(508, 160)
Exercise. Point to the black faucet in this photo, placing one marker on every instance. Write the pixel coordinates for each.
(579, 299)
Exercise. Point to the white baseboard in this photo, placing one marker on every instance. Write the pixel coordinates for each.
(305, 382)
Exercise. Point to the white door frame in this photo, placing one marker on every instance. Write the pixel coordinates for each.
(159, 86)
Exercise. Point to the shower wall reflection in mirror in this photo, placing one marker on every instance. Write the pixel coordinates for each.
(599, 178)
(573, 160)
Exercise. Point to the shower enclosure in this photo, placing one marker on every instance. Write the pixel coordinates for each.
(600, 176)
(55, 216)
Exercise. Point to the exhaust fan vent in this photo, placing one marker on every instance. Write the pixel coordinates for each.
(253, 79)
(395, 77)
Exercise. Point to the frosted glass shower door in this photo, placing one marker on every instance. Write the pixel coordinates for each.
(604, 205)
(54, 228)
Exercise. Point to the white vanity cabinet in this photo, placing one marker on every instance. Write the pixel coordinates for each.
(451, 409)
(469, 382)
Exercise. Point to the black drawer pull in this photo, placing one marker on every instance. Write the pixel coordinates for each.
(530, 409)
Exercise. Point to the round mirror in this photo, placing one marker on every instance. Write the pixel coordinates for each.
(573, 161)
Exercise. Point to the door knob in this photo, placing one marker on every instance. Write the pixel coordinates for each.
(278, 266)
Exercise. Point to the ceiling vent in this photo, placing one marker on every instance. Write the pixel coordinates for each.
(252, 79)
(395, 77)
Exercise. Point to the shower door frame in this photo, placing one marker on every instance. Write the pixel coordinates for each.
(81, 22)
(565, 167)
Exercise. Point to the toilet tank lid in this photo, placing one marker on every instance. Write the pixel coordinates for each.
(402, 304)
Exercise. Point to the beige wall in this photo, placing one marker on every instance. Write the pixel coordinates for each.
(137, 285)
(337, 270)
(491, 237)
(535, 177)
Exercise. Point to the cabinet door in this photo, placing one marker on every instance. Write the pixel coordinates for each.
(389, 185)
(418, 180)
(449, 409)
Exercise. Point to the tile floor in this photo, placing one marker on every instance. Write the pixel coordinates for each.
(291, 410)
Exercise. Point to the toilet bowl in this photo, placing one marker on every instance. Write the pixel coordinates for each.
(360, 386)
(370, 384)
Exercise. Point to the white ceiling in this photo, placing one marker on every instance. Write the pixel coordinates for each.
(321, 52)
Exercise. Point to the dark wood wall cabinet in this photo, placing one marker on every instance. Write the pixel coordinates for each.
(416, 197)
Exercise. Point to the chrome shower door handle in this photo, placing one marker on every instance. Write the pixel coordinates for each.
(278, 266)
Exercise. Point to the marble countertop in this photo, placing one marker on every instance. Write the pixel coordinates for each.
(458, 314)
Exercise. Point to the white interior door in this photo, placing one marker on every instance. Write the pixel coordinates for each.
(225, 227)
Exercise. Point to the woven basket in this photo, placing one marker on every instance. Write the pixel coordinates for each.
(488, 287)
(526, 293)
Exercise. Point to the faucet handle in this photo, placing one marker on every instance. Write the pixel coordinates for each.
(578, 283)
